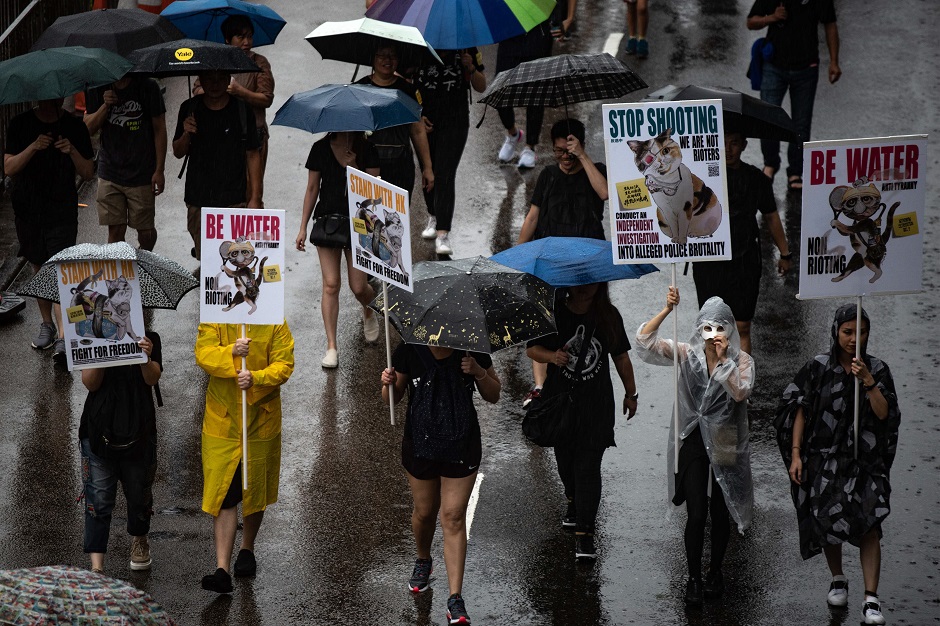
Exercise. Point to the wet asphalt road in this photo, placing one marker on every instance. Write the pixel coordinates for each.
(337, 548)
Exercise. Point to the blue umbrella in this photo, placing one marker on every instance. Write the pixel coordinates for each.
(202, 19)
(338, 108)
(570, 261)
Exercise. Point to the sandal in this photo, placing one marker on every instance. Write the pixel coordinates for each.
(795, 183)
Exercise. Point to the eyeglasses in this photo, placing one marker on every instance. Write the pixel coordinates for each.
(560, 154)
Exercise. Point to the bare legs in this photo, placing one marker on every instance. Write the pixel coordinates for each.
(224, 527)
(147, 238)
(638, 18)
(744, 331)
(870, 553)
(330, 260)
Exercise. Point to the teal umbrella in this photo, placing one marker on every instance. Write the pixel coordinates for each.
(58, 73)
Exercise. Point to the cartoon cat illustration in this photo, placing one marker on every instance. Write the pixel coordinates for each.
(384, 237)
(107, 316)
(859, 203)
(241, 254)
(685, 205)
(574, 346)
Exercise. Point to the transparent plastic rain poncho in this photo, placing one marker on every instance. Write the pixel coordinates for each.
(717, 404)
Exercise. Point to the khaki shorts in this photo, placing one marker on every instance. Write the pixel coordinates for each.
(134, 206)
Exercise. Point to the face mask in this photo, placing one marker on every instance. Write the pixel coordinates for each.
(712, 329)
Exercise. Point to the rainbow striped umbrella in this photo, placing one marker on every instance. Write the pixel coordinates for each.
(458, 24)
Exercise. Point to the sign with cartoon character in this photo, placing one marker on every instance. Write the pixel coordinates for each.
(666, 182)
(381, 239)
(242, 261)
(863, 207)
(101, 313)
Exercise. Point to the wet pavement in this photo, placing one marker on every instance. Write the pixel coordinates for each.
(337, 548)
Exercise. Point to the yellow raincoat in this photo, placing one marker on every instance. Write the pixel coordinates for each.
(271, 362)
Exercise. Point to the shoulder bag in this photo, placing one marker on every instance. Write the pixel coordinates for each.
(330, 231)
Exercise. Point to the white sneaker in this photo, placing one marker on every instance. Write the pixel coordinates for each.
(838, 591)
(442, 245)
(431, 231)
(330, 359)
(871, 611)
(508, 152)
(527, 158)
(370, 327)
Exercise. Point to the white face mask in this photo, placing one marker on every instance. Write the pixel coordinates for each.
(710, 330)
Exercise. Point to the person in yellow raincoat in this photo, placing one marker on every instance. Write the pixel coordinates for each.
(269, 350)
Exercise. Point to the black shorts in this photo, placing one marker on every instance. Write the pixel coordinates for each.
(737, 282)
(234, 494)
(426, 469)
(39, 241)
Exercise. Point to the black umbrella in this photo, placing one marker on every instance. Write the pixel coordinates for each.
(750, 116)
(562, 80)
(118, 30)
(470, 304)
(188, 57)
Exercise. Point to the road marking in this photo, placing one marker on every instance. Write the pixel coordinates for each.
(612, 45)
(472, 505)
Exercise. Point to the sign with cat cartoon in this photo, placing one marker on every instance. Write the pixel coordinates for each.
(863, 214)
(381, 239)
(242, 263)
(101, 313)
(666, 182)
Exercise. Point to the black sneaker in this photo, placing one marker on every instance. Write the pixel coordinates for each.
(584, 547)
(421, 576)
(693, 592)
(58, 354)
(220, 582)
(714, 584)
(571, 516)
(456, 611)
(245, 564)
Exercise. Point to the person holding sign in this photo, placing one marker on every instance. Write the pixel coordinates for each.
(327, 190)
(715, 380)
(842, 493)
(269, 351)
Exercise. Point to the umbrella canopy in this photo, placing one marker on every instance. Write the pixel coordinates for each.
(356, 41)
(569, 261)
(119, 30)
(202, 19)
(562, 80)
(334, 108)
(750, 116)
(470, 304)
(163, 282)
(458, 24)
(62, 594)
(188, 57)
(58, 73)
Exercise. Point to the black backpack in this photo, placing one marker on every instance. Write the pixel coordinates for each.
(440, 411)
(120, 414)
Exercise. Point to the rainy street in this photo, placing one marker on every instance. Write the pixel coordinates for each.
(337, 548)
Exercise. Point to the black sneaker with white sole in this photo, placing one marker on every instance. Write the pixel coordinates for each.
(457, 610)
(421, 576)
(570, 520)
(584, 547)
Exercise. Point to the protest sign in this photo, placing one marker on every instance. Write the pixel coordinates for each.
(666, 181)
(381, 238)
(242, 265)
(863, 214)
(101, 313)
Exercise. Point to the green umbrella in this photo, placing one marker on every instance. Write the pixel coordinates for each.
(57, 73)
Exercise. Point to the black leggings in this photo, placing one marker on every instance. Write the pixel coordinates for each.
(580, 472)
(446, 143)
(533, 121)
(695, 481)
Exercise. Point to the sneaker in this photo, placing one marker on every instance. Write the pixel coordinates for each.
(58, 353)
(838, 591)
(456, 610)
(693, 592)
(631, 46)
(570, 519)
(140, 554)
(330, 359)
(512, 142)
(370, 327)
(46, 337)
(421, 576)
(96, 570)
(219, 582)
(871, 611)
(642, 49)
(245, 564)
(534, 393)
(584, 547)
(431, 231)
(714, 584)
(442, 244)
(527, 159)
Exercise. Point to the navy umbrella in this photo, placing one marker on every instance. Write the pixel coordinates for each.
(337, 108)
(202, 19)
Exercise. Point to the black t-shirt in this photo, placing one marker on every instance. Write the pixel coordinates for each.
(749, 191)
(45, 189)
(215, 175)
(408, 362)
(128, 156)
(568, 205)
(395, 135)
(592, 385)
(333, 197)
(796, 39)
(444, 88)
